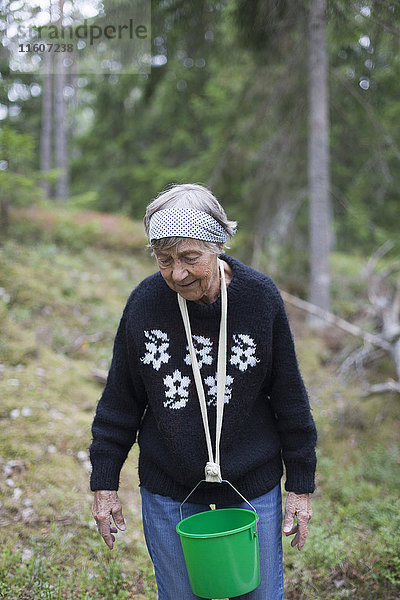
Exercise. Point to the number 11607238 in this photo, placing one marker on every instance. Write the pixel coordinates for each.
(46, 47)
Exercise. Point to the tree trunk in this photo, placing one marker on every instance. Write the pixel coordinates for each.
(61, 153)
(320, 220)
(47, 115)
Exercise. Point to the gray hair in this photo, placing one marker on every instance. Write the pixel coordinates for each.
(188, 195)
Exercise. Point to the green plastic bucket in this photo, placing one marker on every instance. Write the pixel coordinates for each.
(221, 552)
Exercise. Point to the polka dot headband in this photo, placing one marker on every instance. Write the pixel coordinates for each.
(187, 223)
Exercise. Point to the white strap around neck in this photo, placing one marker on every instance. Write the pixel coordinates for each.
(212, 469)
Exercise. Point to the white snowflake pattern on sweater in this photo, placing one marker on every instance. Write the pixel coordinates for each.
(156, 347)
(243, 352)
(176, 390)
(203, 347)
(211, 383)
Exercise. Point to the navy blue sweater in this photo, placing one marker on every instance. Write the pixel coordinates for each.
(150, 392)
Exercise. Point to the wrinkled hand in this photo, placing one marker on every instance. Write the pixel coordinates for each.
(297, 505)
(106, 504)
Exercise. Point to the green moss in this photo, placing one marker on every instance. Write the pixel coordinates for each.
(55, 301)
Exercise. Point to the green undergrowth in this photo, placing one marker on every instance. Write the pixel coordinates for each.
(59, 309)
(352, 547)
(76, 228)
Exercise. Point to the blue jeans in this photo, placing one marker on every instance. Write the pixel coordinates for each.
(160, 517)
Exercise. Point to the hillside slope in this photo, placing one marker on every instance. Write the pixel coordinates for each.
(59, 310)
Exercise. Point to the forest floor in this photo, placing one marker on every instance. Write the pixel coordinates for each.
(61, 299)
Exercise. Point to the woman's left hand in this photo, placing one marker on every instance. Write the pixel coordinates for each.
(297, 505)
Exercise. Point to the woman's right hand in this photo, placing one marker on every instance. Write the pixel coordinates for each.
(106, 504)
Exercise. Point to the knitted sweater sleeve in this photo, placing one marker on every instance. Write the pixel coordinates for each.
(118, 415)
(289, 400)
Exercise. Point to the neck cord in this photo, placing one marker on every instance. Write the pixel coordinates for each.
(212, 468)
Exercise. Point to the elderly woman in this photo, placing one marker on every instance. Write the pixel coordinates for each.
(204, 358)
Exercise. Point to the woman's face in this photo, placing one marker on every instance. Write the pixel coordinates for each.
(190, 271)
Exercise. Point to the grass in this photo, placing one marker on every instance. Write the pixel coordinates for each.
(50, 548)
(59, 309)
(76, 228)
(352, 548)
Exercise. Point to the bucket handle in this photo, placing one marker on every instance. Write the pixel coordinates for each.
(237, 491)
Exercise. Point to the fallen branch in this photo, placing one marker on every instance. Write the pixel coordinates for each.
(358, 358)
(369, 338)
(98, 375)
(39, 521)
(389, 386)
(81, 340)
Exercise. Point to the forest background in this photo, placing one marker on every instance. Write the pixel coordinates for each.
(227, 104)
